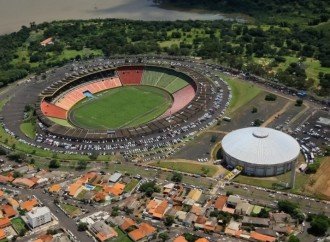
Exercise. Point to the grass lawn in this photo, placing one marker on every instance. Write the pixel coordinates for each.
(121, 107)
(272, 182)
(19, 225)
(29, 129)
(122, 237)
(62, 122)
(71, 210)
(81, 195)
(242, 92)
(189, 167)
(129, 187)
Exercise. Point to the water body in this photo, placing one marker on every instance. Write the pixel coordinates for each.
(15, 13)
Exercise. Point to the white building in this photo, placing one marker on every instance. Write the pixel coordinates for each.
(260, 151)
(38, 216)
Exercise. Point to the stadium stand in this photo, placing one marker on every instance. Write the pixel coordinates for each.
(69, 99)
(181, 99)
(130, 75)
(151, 76)
(50, 110)
(166, 79)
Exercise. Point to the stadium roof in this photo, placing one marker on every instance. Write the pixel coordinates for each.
(260, 146)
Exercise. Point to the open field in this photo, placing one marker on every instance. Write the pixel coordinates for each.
(121, 107)
(275, 181)
(242, 92)
(189, 167)
(319, 183)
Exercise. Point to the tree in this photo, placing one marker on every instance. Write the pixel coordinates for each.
(163, 236)
(81, 164)
(270, 97)
(299, 102)
(54, 164)
(254, 110)
(257, 122)
(292, 209)
(176, 177)
(293, 238)
(17, 174)
(93, 156)
(319, 224)
(149, 188)
(213, 138)
(168, 221)
(82, 226)
(263, 213)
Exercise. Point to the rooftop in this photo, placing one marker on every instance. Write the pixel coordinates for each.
(258, 145)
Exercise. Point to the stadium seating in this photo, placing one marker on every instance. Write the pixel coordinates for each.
(50, 110)
(163, 78)
(181, 99)
(130, 75)
(69, 99)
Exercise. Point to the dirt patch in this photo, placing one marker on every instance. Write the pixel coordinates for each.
(320, 182)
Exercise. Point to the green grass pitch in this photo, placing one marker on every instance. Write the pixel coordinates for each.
(121, 107)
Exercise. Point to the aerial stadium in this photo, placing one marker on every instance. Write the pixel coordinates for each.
(125, 105)
(260, 151)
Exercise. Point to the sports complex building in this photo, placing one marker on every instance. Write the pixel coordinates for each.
(125, 104)
(260, 151)
(105, 104)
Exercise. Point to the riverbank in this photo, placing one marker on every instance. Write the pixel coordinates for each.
(15, 13)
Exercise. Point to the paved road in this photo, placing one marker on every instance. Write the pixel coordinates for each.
(64, 221)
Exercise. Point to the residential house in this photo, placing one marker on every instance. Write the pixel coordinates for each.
(254, 236)
(8, 211)
(48, 41)
(25, 182)
(102, 231)
(143, 231)
(243, 208)
(157, 208)
(220, 202)
(4, 222)
(255, 221)
(127, 224)
(29, 205)
(115, 177)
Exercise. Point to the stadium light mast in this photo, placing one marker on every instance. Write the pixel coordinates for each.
(293, 174)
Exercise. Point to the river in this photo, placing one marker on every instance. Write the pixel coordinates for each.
(15, 13)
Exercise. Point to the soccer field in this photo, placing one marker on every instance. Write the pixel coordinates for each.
(120, 107)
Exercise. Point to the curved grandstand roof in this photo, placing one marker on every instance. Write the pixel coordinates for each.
(260, 146)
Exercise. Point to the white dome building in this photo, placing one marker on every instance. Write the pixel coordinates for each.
(260, 151)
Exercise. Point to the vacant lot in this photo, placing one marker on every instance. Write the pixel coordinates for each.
(189, 167)
(319, 183)
(70, 210)
(19, 225)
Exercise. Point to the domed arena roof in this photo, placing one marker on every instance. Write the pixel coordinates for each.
(260, 146)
